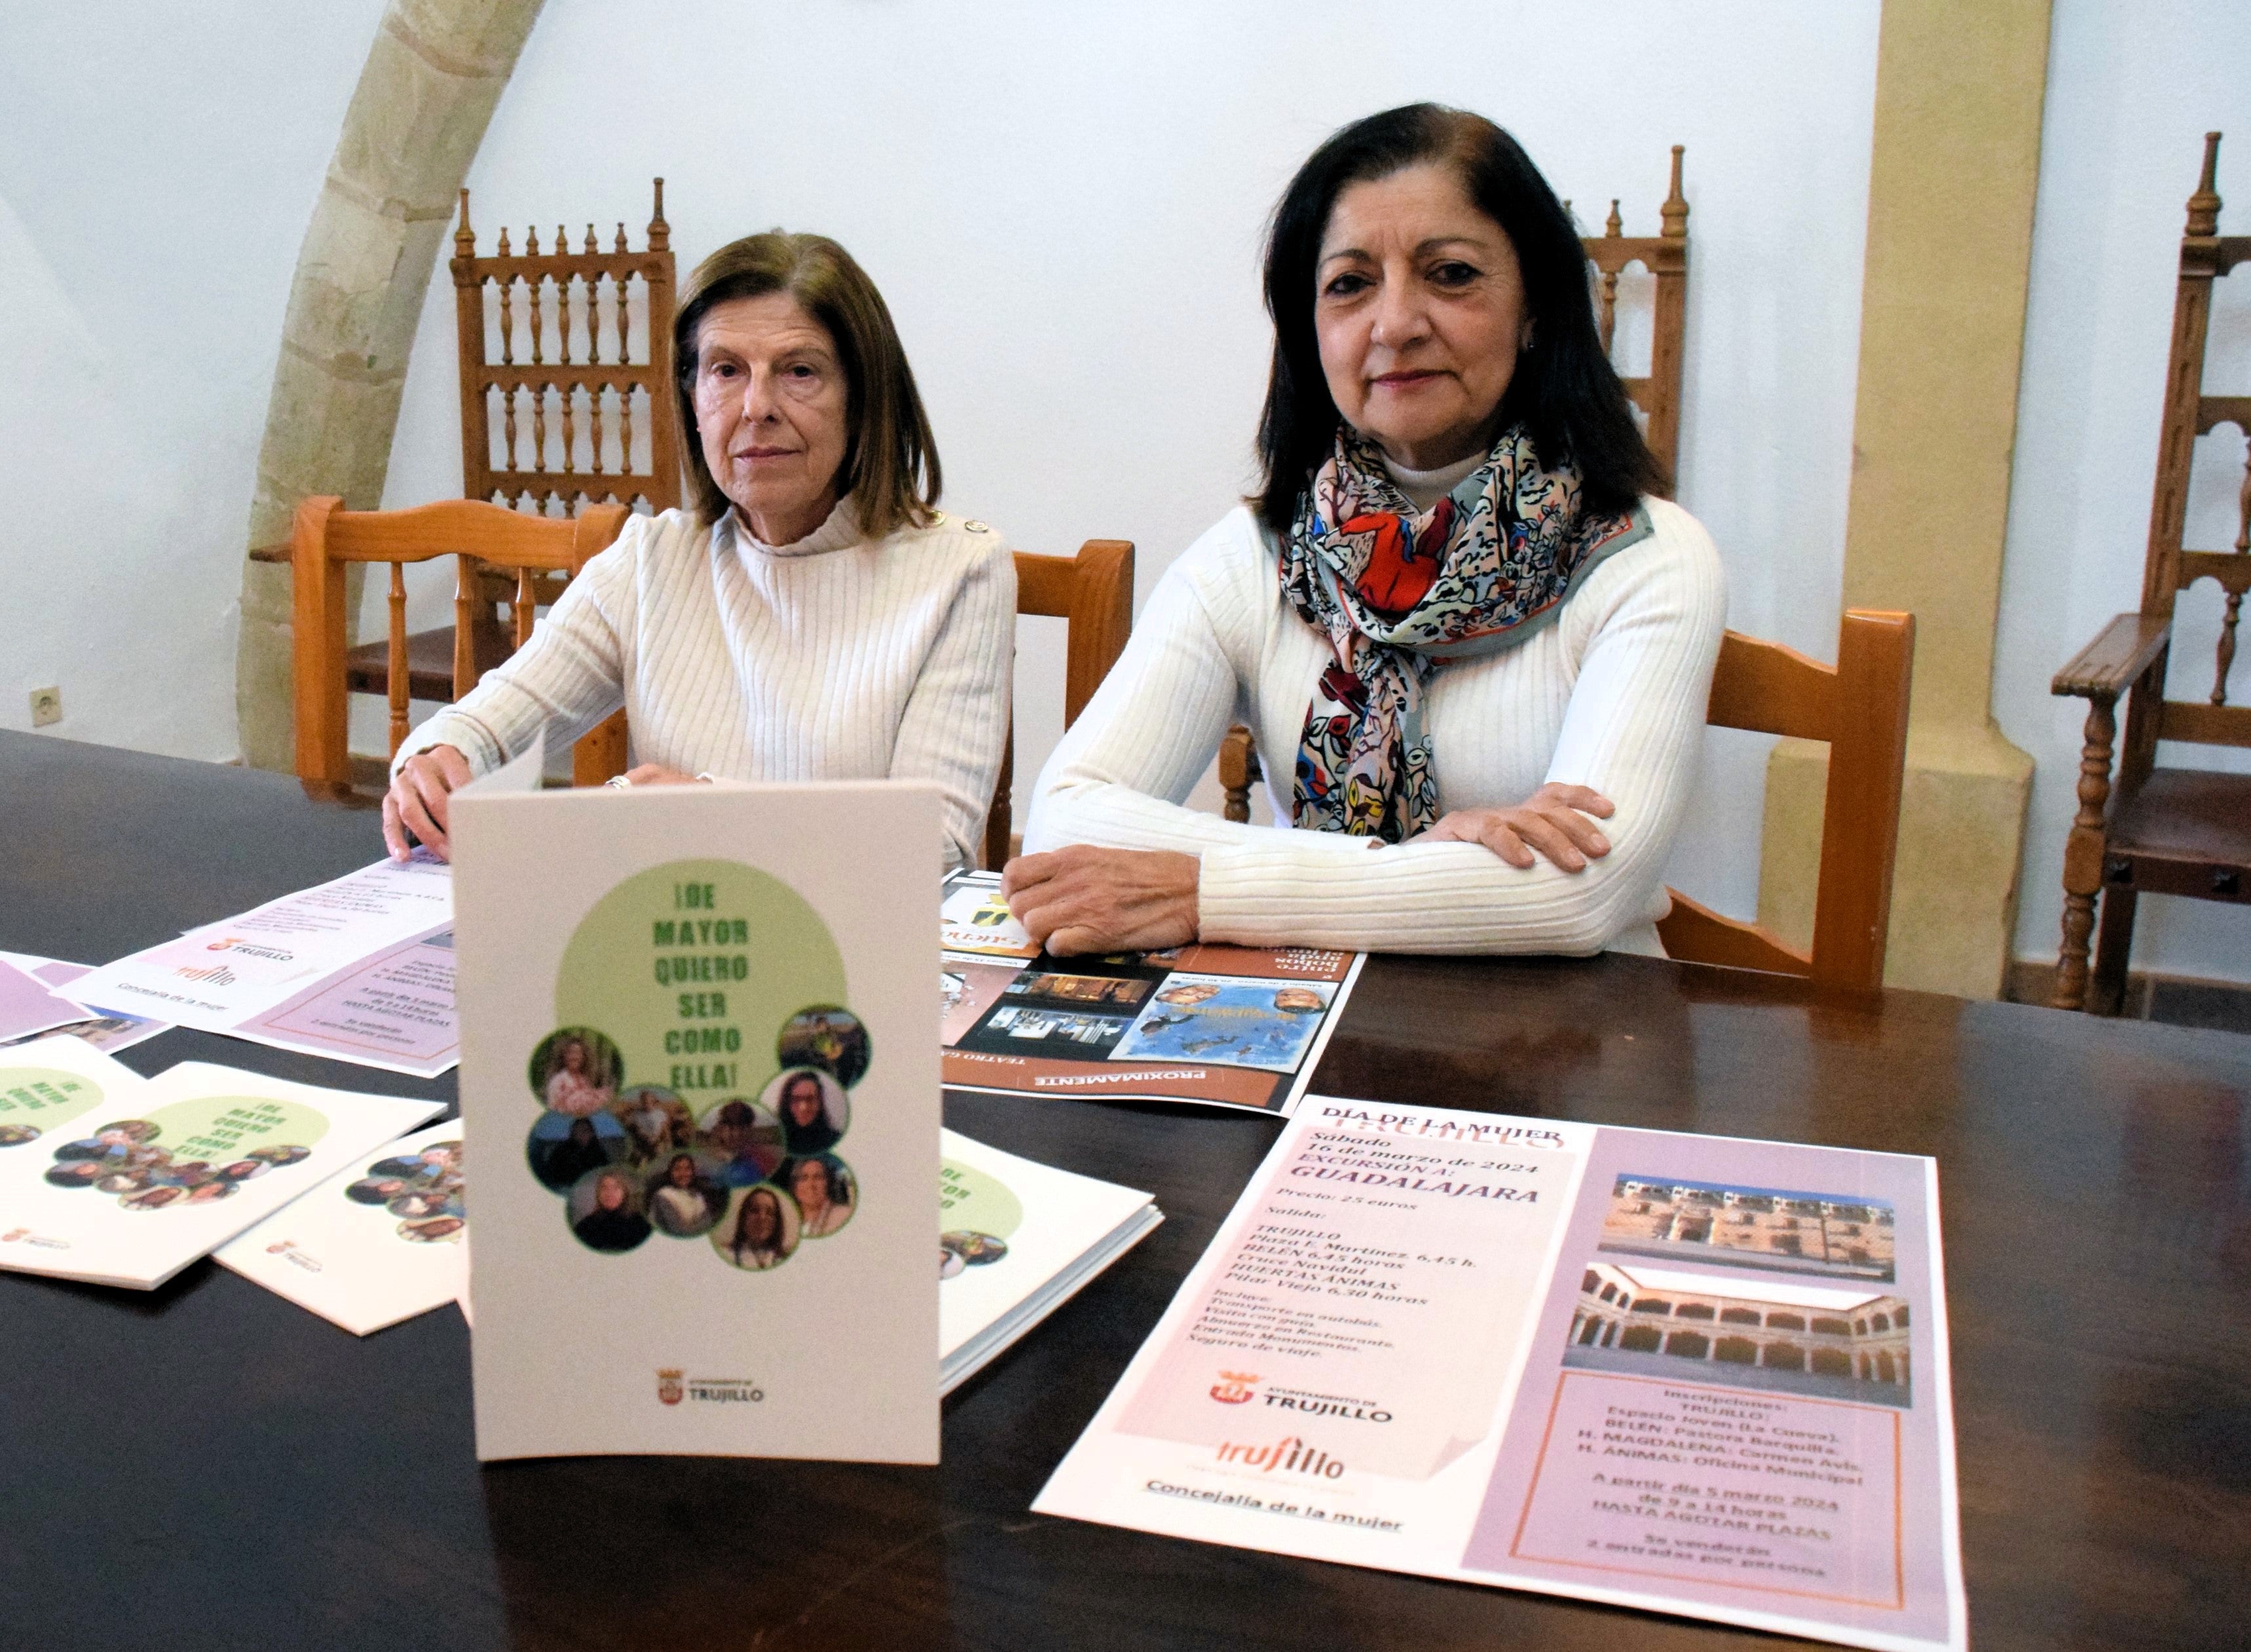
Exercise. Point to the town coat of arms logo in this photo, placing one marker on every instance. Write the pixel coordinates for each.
(669, 1388)
(1233, 1386)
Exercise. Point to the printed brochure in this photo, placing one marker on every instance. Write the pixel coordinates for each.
(379, 1241)
(699, 1085)
(1016, 1240)
(359, 969)
(116, 1179)
(1684, 1373)
(1237, 1026)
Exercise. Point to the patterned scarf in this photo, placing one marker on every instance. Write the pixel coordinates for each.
(1399, 593)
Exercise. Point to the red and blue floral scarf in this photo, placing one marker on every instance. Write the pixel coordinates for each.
(1399, 593)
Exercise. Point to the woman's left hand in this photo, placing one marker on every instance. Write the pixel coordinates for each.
(1082, 899)
(655, 774)
(1553, 822)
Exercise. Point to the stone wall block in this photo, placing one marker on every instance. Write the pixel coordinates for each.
(433, 74)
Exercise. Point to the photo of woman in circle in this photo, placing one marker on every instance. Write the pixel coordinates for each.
(154, 1198)
(576, 1071)
(16, 1135)
(78, 1172)
(563, 1149)
(813, 1110)
(606, 1212)
(683, 1201)
(822, 1187)
(279, 1156)
(763, 1232)
(826, 1037)
(436, 1230)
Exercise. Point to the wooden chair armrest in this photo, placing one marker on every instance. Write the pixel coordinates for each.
(2108, 666)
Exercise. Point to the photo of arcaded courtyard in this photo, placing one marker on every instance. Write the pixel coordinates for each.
(1830, 1341)
(1708, 1223)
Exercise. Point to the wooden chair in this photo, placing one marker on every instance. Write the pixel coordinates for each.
(1657, 393)
(1092, 593)
(1859, 708)
(483, 537)
(2167, 831)
(557, 398)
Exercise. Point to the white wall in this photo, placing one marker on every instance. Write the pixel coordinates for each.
(158, 165)
(1064, 207)
(2131, 91)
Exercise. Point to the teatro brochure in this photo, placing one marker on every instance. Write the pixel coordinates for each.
(1684, 1373)
(379, 1241)
(107, 1032)
(698, 1078)
(359, 969)
(1238, 1026)
(116, 1179)
(1016, 1240)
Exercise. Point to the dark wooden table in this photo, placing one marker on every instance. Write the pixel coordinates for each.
(209, 1465)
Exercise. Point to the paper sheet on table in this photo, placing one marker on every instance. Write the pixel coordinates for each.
(1683, 1373)
(116, 1179)
(105, 1030)
(381, 1240)
(358, 969)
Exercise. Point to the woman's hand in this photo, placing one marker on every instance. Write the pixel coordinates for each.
(655, 774)
(1084, 899)
(1552, 821)
(416, 801)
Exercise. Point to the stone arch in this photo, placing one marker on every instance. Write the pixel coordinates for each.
(1641, 1339)
(1735, 1350)
(425, 94)
(1831, 1362)
(1689, 1345)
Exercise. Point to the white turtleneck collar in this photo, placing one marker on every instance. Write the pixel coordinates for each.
(841, 527)
(1424, 488)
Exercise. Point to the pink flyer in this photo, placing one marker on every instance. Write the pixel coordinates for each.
(1688, 1374)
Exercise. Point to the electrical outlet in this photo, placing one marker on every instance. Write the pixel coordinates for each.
(46, 707)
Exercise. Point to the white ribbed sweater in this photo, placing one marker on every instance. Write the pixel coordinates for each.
(831, 658)
(1610, 696)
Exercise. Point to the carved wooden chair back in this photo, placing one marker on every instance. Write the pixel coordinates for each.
(1859, 708)
(2170, 831)
(1665, 255)
(1657, 393)
(1092, 593)
(481, 536)
(566, 369)
(565, 374)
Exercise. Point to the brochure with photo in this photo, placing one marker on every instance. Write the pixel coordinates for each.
(699, 1083)
(1237, 1026)
(359, 969)
(114, 1180)
(381, 1240)
(1684, 1373)
(1016, 1240)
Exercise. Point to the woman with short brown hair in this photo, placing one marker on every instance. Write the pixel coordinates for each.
(813, 615)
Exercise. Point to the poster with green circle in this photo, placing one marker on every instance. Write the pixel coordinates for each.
(34, 1100)
(691, 969)
(967, 1198)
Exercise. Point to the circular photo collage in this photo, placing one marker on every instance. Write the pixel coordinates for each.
(423, 1190)
(754, 1176)
(122, 1159)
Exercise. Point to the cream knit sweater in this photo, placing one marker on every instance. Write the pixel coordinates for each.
(830, 658)
(1610, 694)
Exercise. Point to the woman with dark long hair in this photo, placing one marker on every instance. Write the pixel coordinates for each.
(1473, 638)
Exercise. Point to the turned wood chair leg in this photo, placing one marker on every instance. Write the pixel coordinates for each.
(2083, 857)
(2107, 992)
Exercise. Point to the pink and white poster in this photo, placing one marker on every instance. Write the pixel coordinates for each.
(1688, 1374)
